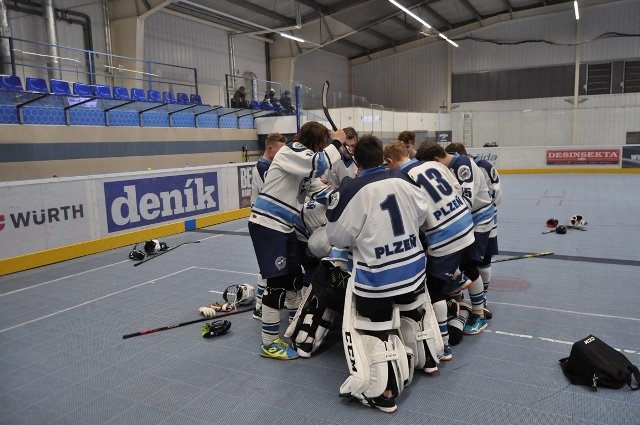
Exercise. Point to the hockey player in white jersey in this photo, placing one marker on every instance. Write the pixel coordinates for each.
(347, 166)
(376, 216)
(448, 228)
(476, 194)
(272, 145)
(492, 178)
(275, 218)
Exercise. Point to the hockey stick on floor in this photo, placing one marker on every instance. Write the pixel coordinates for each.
(151, 257)
(190, 322)
(522, 257)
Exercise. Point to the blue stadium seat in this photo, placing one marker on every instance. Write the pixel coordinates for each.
(10, 83)
(196, 99)
(60, 87)
(122, 93)
(137, 94)
(183, 99)
(154, 96)
(37, 85)
(82, 89)
(168, 97)
(102, 91)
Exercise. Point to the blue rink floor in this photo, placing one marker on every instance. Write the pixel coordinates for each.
(63, 360)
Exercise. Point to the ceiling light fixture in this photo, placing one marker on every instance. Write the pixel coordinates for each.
(292, 37)
(417, 18)
(575, 8)
(448, 40)
(410, 13)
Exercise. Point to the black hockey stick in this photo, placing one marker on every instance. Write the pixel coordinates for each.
(325, 90)
(190, 322)
(151, 257)
(521, 257)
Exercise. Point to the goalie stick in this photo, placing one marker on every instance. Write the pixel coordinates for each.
(151, 257)
(522, 257)
(190, 322)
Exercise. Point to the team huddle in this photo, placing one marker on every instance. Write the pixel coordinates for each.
(387, 239)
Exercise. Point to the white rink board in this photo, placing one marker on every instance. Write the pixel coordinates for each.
(81, 209)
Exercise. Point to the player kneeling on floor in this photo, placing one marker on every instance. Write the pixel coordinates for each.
(322, 306)
(380, 365)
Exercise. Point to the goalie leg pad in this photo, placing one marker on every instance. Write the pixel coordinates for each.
(375, 365)
(312, 327)
(422, 336)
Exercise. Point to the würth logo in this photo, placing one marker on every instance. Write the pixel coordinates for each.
(51, 215)
(136, 203)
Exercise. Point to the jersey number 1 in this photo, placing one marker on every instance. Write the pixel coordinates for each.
(391, 206)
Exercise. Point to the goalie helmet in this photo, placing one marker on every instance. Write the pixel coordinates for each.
(561, 230)
(552, 222)
(242, 294)
(577, 221)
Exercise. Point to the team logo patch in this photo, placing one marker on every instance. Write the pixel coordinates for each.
(281, 263)
(334, 198)
(464, 173)
(494, 176)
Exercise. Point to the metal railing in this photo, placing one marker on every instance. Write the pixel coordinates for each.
(30, 58)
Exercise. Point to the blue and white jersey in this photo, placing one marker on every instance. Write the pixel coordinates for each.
(376, 217)
(346, 167)
(257, 177)
(292, 177)
(449, 226)
(495, 190)
(474, 191)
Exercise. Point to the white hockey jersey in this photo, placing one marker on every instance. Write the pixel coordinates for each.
(292, 177)
(258, 174)
(495, 189)
(343, 168)
(474, 191)
(449, 226)
(376, 216)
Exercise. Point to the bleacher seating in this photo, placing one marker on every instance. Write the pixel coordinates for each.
(37, 85)
(168, 97)
(121, 93)
(60, 102)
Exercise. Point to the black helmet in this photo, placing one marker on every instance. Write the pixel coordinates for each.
(561, 230)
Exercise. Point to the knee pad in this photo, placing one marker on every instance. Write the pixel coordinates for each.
(291, 281)
(274, 297)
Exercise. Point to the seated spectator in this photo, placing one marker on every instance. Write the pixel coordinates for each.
(270, 97)
(239, 99)
(285, 103)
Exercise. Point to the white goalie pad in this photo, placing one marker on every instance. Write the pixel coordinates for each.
(424, 335)
(370, 359)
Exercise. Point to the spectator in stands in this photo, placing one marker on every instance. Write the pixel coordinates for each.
(239, 99)
(270, 96)
(285, 102)
(409, 140)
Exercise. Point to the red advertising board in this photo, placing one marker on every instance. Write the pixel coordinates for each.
(583, 156)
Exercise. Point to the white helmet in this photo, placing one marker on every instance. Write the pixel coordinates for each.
(578, 221)
(242, 294)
